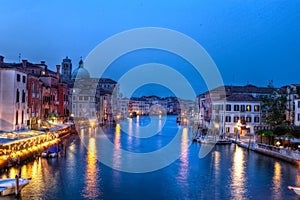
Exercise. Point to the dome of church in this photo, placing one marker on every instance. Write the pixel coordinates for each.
(80, 72)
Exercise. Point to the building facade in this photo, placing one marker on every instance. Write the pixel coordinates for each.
(93, 100)
(297, 112)
(66, 71)
(232, 109)
(13, 98)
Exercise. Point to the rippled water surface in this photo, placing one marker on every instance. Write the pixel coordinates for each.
(227, 172)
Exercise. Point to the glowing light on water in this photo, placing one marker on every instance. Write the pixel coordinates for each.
(238, 176)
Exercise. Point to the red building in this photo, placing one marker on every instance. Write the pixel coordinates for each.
(48, 95)
(34, 88)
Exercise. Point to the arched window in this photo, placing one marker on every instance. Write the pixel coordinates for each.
(17, 117)
(32, 88)
(17, 96)
(22, 117)
(23, 96)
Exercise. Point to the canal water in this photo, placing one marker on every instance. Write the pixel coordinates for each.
(226, 172)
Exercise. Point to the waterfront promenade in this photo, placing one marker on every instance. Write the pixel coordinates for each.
(20, 146)
(286, 154)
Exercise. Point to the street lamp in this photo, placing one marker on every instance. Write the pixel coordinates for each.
(238, 125)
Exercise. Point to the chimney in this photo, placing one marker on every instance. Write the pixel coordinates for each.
(43, 62)
(24, 63)
(58, 71)
(1, 59)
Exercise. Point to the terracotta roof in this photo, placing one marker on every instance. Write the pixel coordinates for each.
(242, 98)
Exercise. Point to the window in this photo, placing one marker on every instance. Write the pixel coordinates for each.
(299, 117)
(32, 71)
(86, 98)
(228, 119)
(298, 104)
(236, 119)
(18, 77)
(80, 98)
(24, 79)
(248, 108)
(248, 119)
(32, 88)
(243, 108)
(228, 107)
(22, 117)
(256, 119)
(242, 119)
(227, 130)
(17, 117)
(74, 98)
(23, 97)
(17, 96)
(256, 108)
(236, 108)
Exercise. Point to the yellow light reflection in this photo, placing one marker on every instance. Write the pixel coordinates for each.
(298, 179)
(184, 163)
(277, 181)
(217, 164)
(91, 189)
(117, 148)
(238, 175)
(117, 155)
(129, 132)
(117, 136)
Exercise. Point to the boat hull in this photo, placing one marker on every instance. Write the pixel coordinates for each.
(8, 186)
(295, 189)
(212, 141)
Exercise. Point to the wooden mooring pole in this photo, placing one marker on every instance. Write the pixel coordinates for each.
(17, 186)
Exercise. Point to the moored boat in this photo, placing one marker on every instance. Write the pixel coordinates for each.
(213, 140)
(8, 185)
(295, 189)
(51, 152)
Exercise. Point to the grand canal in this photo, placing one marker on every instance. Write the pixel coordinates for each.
(227, 172)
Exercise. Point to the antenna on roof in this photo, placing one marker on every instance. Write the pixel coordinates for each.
(19, 57)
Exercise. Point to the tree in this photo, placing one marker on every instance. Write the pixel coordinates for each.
(275, 105)
(298, 90)
(266, 133)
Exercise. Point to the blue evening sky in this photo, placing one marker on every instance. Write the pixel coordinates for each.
(250, 41)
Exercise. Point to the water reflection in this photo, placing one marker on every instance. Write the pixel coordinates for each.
(184, 162)
(238, 178)
(117, 154)
(91, 190)
(228, 172)
(217, 164)
(277, 181)
(298, 179)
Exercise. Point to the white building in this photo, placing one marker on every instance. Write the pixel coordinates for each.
(297, 112)
(13, 98)
(240, 113)
(93, 99)
(233, 108)
(292, 93)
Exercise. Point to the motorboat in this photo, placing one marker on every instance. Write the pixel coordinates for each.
(8, 185)
(213, 140)
(51, 152)
(295, 189)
